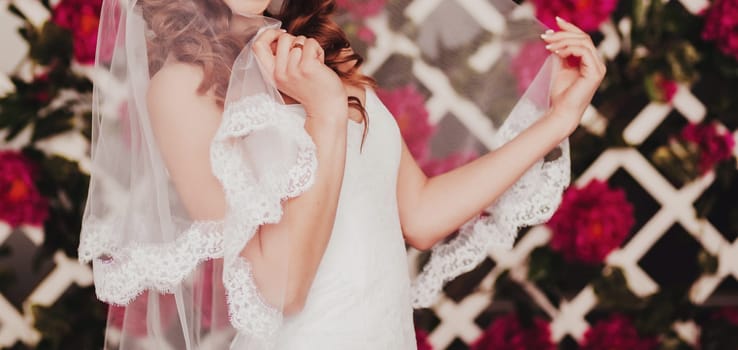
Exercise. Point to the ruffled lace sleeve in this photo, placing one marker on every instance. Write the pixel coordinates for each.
(262, 155)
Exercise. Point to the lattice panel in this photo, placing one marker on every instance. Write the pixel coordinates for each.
(457, 319)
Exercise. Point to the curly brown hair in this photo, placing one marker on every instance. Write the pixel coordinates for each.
(197, 32)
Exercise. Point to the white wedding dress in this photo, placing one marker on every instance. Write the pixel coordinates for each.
(188, 284)
(360, 298)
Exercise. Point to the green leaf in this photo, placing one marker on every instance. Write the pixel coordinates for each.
(75, 321)
(708, 263)
(544, 266)
(662, 309)
(55, 123)
(613, 293)
(52, 44)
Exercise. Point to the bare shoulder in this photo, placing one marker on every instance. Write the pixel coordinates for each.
(172, 92)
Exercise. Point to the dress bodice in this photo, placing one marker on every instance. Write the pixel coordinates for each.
(360, 296)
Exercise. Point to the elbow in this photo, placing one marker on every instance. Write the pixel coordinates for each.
(293, 307)
(419, 239)
(294, 301)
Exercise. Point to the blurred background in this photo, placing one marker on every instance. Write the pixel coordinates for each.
(642, 254)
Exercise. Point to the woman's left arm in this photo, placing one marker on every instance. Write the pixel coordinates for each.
(432, 208)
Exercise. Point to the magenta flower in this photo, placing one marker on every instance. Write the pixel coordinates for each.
(421, 338)
(713, 145)
(407, 105)
(528, 62)
(20, 200)
(586, 14)
(721, 26)
(728, 314)
(616, 333)
(591, 222)
(508, 333)
(361, 9)
(81, 18)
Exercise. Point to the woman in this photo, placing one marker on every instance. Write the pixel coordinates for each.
(261, 178)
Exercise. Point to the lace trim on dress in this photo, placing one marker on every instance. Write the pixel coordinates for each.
(255, 200)
(532, 200)
(248, 311)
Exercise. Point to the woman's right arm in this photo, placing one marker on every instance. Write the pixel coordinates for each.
(284, 256)
(308, 219)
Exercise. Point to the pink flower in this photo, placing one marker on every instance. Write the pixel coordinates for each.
(433, 167)
(408, 106)
(508, 333)
(81, 17)
(20, 200)
(586, 14)
(721, 26)
(616, 333)
(366, 35)
(660, 88)
(421, 338)
(528, 62)
(591, 222)
(361, 9)
(713, 145)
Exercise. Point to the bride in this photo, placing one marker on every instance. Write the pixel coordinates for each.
(256, 194)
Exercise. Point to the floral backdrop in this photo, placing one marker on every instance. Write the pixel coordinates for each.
(642, 253)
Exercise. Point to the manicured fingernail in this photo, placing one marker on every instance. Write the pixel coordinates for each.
(560, 19)
(548, 47)
(549, 32)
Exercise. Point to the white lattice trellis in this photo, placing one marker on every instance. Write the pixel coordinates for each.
(457, 319)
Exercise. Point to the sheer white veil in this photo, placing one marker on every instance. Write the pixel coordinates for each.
(179, 283)
(183, 283)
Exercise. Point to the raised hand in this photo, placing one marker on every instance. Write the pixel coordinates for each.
(298, 67)
(581, 72)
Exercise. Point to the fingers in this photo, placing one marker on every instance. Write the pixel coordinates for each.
(287, 58)
(589, 63)
(572, 41)
(296, 54)
(282, 56)
(562, 43)
(262, 48)
(266, 38)
(312, 51)
(552, 36)
(564, 25)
